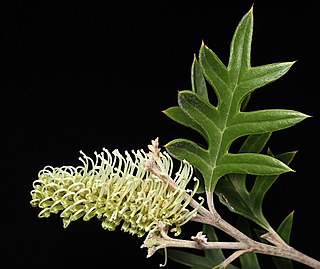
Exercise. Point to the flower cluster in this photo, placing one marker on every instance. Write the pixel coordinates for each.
(118, 190)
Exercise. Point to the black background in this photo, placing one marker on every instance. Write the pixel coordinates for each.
(86, 75)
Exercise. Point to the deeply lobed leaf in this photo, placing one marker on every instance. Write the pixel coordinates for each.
(225, 122)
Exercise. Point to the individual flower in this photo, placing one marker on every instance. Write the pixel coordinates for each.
(118, 190)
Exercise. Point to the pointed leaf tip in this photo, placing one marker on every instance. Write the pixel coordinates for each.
(203, 45)
(304, 116)
(307, 116)
(288, 168)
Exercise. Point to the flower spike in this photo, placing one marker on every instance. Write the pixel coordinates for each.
(118, 190)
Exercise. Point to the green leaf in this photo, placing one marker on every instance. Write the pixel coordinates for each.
(177, 114)
(197, 80)
(262, 121)
(233, 193)
(215, 71)
(250, 163)
(245, 102)
(259, 76)
(285, 227)
(240, 48)
(225, 122)
(263, 184)
(202, 112)
(187, 150)
(255, 143)
(284, 231)
(198, 86)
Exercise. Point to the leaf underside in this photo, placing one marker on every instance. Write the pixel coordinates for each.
(222, 124)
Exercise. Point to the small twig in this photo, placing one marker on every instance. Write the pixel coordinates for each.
(274, 238)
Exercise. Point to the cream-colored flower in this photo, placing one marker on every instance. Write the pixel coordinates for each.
(118, 190)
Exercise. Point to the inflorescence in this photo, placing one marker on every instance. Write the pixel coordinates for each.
(118, 190)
